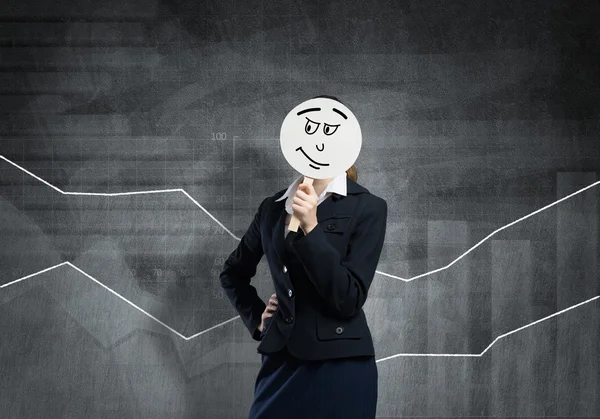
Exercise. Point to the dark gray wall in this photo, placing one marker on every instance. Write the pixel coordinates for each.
(474, 114)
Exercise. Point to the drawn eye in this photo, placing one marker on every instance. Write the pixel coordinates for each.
(330, 129)
(311, 126)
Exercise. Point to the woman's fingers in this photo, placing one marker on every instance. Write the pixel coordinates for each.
(271, 307)
(273, 303)
(269, 310)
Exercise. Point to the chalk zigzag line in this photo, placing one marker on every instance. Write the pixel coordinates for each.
(227, 321)
(237, 238)
(225, 228)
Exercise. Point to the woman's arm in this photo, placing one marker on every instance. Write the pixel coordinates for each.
(344, 283)
(238, 270)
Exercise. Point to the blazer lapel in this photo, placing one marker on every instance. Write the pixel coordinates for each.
(277, 239)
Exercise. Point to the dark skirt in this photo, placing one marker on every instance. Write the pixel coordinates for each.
(291, 388)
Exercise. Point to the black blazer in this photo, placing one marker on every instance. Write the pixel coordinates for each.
(320, 297)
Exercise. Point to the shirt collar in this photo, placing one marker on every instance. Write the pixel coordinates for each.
(337, 185)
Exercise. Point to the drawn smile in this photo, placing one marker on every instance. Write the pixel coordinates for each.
(315, 162)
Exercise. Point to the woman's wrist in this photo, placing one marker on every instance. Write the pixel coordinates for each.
(309, 228)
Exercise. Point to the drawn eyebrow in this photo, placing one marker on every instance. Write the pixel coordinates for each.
(318, 109)
(340, 112)
(308, 110)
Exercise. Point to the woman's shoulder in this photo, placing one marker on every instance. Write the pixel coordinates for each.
(364, 194)
(270, 199)
(369, 198)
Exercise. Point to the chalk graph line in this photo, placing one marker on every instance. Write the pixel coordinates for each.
(187, 338)
(237, 238)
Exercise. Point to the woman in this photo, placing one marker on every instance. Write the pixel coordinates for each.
(317, 351)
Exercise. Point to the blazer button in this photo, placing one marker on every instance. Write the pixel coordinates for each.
(290, 292)
(331, 227)
(290, 319)
(284, 269)
(339, 330)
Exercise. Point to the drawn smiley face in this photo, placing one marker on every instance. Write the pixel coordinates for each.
(320, 138)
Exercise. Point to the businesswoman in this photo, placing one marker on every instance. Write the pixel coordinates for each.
(317, 352)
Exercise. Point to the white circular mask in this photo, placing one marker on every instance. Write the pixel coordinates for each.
(320, 138)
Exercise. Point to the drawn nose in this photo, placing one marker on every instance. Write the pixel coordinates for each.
(322, 148)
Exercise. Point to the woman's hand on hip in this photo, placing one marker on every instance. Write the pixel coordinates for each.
(269, 310)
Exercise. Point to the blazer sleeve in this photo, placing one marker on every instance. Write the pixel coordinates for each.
(238, 270)
(344, 283)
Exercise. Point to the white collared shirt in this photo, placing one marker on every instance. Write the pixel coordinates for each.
(337, 185)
